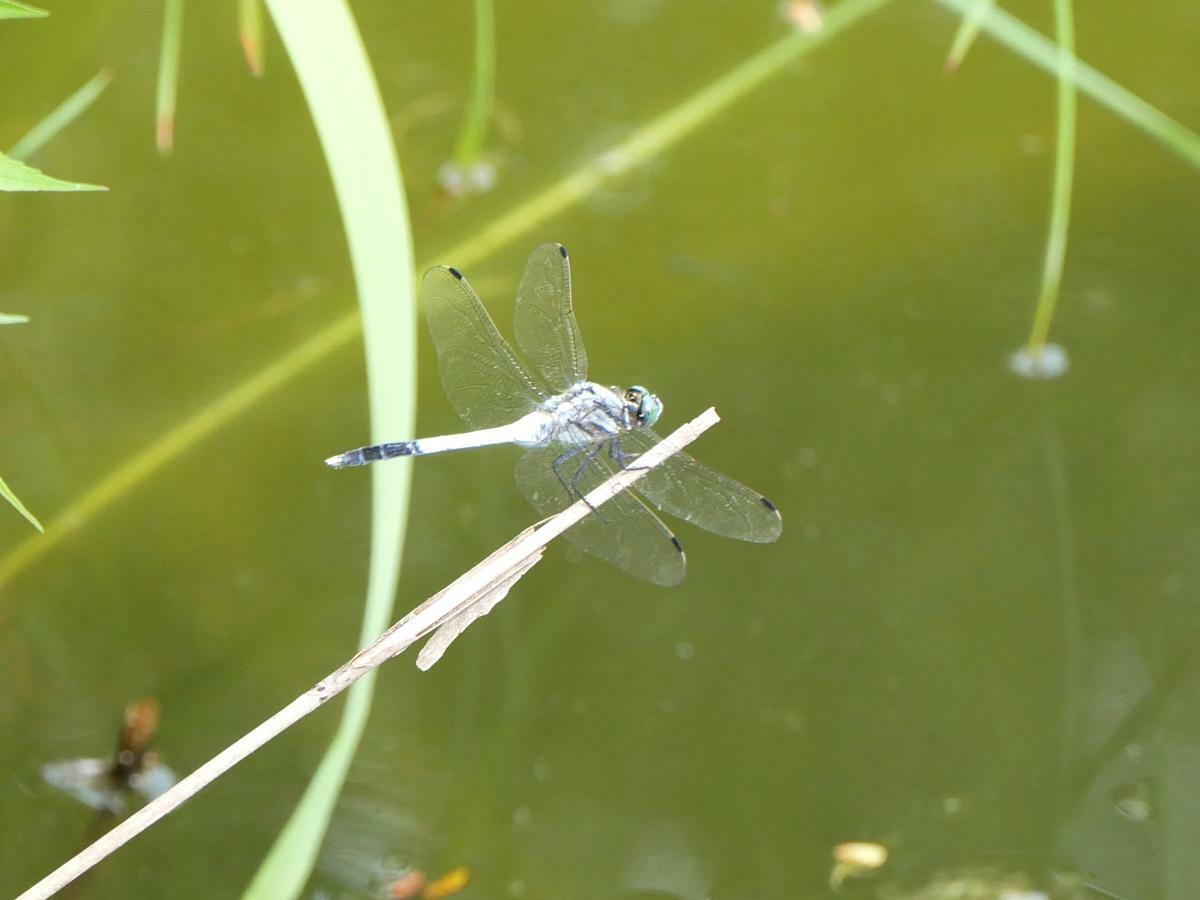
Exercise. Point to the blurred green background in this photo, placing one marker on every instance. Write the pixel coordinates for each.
(973, 641)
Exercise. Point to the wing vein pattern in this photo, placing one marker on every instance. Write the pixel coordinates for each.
(483, 379)
(545, 325)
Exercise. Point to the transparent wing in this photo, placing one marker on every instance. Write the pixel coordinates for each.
(483, 380)
(87, 780)
(547, 332)
(695, 493)
(154, 781)
(624, 531)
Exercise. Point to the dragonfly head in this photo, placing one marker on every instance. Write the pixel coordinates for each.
(645, 406)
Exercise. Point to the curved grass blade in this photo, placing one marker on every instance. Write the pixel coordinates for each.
(642, 145)
(168, 76)
(331, 64)
(17, 176)
(62, 116)
(1042, 52)
(1064, 168)
(11, 9)
(968, 30)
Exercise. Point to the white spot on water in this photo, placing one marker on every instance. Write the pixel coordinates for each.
(684, 650)
(1040, 364)
(477, 178)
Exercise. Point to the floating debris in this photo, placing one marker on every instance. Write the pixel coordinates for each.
(805, 15)
(856, 859)
(1135, 801)
(413, 885)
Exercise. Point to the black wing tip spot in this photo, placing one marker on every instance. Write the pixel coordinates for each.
(678, 546)
(453, 271)
(768, 504)
(562, 251)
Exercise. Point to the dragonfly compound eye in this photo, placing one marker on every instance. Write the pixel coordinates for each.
(649, 407)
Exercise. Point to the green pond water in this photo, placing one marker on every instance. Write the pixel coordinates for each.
(974, 641)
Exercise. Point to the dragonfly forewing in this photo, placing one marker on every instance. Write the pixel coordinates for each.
(545, 325)
(483, 379)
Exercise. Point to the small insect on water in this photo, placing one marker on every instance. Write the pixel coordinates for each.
(577, 433)
(106, 784)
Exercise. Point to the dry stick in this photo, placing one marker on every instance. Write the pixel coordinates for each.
(496, 573)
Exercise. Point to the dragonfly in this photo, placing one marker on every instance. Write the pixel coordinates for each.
(576, 433)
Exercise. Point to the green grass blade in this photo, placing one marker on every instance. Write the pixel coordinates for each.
(14, 501)
(168, 76)
(335, 74)
(17, 176)
(250, 33)
(11, 9)
(968, 30)
(13, 319)
(473, 132)
(1064, 167)
(66, 113)
(643, 144)
(1042, 52)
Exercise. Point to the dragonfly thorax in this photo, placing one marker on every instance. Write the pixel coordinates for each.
(582, 414)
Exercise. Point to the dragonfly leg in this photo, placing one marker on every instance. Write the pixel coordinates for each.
(572, 489)
(619, 456)
(566, 457)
